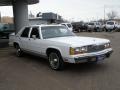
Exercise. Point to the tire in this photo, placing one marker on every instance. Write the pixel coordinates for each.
(106, 30)
(19, 52)
(97, 29)
(55, 61)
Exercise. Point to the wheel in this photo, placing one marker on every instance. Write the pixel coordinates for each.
(97, 29)
(106, 30)
(19, 52)
(55, 61)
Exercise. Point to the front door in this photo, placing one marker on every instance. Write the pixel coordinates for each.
(34, 40)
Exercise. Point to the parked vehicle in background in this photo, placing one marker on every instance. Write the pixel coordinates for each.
(6, 29)
(79, 26)
(11, 39)
(85, 26)
(111, 26)
(76, 27)
(94, 26)
(60, 45)
(68, 25)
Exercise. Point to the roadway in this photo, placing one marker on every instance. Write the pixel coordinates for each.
(33, 73)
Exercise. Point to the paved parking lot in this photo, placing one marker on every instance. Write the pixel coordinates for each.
(33, 73)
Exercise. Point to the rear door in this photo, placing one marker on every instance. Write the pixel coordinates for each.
(24, 38)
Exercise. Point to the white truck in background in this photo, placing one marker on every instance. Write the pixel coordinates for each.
(68, 25)
(111, 26)
(95, 26)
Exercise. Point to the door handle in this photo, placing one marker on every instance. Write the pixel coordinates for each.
(19, 38)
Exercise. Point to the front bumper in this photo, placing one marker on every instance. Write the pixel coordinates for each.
(90, 57)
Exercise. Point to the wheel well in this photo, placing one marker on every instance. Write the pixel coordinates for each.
(15, 44)
(49, 50)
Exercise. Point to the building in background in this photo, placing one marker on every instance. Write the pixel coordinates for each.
(7, 20)
(45, 18)
(52, 17)
(37, 21)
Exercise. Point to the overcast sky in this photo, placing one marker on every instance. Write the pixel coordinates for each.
(72, 9)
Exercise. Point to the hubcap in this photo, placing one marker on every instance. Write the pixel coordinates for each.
(54, 60)
(18, 51)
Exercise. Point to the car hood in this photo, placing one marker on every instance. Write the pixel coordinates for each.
(76, 41)
(110, 25)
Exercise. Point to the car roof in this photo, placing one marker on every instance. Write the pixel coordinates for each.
(43, 25)
(65, 23)
(111, 21)
(91, 22)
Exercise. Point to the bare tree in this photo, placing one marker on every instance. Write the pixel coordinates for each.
(112, 15)
(31, 15)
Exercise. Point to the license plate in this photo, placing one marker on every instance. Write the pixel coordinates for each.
(93, 59)
(102, 57)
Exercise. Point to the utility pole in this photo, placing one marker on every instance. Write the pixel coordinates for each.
(108, 7)
(0, 17)
(104, 13)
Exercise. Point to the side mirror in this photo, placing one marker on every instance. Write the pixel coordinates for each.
(34, 36)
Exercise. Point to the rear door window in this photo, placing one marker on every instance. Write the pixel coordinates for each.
(25, 32)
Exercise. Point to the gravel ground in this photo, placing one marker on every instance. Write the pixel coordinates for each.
(33, 73)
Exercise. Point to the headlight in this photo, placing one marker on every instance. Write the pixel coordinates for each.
(78, 50)
(107, 45)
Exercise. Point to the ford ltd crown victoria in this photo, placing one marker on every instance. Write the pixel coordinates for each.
(60, 45)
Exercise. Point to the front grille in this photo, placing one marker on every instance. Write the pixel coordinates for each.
(95, 48)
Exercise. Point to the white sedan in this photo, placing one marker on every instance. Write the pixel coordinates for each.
(60, 45)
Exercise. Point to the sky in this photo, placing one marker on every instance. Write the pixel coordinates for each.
(73, 10)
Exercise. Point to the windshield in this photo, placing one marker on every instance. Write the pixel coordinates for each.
(91, 24)
(69, 25)
(110, 23)
(55, 31)
(97, 23)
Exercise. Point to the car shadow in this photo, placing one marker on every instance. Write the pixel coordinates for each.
(82, 67)
(86, 67)
(31, 58)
